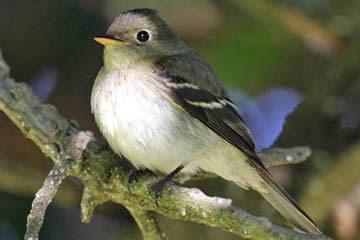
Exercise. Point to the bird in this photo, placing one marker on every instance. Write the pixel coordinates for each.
(159, 104)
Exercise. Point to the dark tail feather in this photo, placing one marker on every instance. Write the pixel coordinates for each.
(280, 200)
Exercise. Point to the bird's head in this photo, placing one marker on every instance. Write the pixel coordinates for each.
(139, 34)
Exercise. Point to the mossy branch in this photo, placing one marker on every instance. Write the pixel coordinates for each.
(105, 174)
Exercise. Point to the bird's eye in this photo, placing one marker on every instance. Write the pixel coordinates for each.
(143, 36)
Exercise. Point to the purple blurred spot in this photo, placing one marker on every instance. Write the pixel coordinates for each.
(43, 82)
(350, 115)
(265, 115)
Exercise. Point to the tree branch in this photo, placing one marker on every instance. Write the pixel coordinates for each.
(279, 156)
(105, 174)
(43, 198)
(147, 224)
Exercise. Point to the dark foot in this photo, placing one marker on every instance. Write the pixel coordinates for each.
(159, 186)
(134, 177)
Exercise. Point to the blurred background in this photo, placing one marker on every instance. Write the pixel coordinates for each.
(293, 66)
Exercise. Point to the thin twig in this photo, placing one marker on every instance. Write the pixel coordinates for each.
(282, 156)
(43, 198)
(270, 157)
(24, 182)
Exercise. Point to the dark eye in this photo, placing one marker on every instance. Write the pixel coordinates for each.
(143, 36)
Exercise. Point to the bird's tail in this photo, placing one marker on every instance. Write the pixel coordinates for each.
(281, 200)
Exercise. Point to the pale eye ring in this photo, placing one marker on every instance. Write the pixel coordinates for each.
(143, 36)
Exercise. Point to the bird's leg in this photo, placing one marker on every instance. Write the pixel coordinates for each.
(134, 177)
(161, 184)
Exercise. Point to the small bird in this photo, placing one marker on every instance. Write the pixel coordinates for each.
(161, 105)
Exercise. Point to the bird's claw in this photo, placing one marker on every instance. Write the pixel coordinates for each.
(158, 187)
(134, 177)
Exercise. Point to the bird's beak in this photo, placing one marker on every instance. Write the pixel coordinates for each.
(109, 40)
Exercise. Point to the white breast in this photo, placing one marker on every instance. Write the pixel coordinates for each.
(140, 123)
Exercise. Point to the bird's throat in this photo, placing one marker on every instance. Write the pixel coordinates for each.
(116, 57)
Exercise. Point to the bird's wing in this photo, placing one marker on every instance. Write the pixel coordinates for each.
(205, 100)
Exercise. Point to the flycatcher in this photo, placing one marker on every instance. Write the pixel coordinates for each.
(162, 106)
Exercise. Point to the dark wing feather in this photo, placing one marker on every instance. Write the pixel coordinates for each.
(224, 120)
